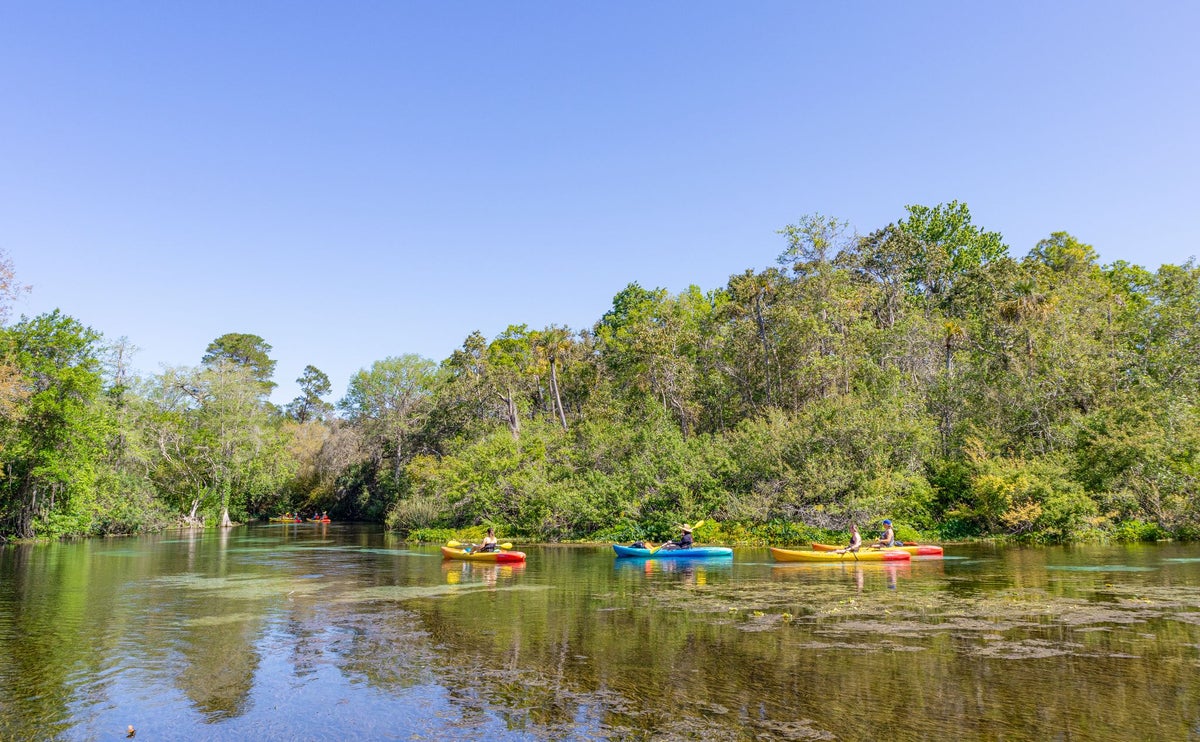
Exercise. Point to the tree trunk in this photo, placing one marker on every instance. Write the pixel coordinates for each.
(511, 416)
(25, 515)
(225, 522)
(762, 334)
(562, 416)
(399, 465)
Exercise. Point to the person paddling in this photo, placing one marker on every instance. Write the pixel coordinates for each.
(888, 537)
(684, 541)
(855, 540)
(489, 541)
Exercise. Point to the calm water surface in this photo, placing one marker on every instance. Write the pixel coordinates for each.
(299, 632)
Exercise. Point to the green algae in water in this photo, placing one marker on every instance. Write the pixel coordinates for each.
(1026, 649)
(1098, 568)
(243, 587)
(222, 620)
(416, 592)
(289, 548)
(400, 552)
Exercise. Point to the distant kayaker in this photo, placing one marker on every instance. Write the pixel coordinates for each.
(855, 540)
(888, 537)
(489, 541)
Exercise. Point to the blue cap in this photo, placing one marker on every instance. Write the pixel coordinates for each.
(886, 522)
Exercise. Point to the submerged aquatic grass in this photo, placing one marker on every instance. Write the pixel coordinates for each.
(400, 552)
(417, 592)
(242, 587)
(1098, 568)
(1018, 623)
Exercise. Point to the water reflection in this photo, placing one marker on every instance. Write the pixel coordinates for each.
(860, 575)
(466, 573)
(328, 631)
(218, 664)
(693, 571)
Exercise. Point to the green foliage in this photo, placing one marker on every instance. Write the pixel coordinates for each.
(917, 373)
(413, 514)
(49, 451)
(952, 246)
(1031, 500)
(432, 535)
(1140, 458)
(1137, 530)
(248, 351)
(314, 384)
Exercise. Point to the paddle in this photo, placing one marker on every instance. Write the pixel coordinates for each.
(456, 544)
(656, 548)
(853, 552)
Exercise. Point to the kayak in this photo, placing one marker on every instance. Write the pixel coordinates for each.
(914, 549)
(318, 520)
(498, 557)
(694, 552)
(879, 555)
(287, 520)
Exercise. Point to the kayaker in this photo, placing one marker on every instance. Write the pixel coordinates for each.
(489, 541)
(888, 537)
(855, 540)
(685, 538)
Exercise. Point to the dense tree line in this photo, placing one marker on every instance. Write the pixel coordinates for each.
(920, 371)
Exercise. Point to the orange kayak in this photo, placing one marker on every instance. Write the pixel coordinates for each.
(914, 549)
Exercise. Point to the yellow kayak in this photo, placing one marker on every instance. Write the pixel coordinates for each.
(789, 555)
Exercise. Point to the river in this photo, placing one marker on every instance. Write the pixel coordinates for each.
(307, 631)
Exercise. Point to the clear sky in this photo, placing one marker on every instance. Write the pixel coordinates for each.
(359, 180)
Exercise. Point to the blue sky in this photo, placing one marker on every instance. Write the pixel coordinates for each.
(353, 181)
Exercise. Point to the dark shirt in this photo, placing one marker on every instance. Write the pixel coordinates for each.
(685, 541)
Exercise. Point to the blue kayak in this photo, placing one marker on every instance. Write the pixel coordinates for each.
(692, 553)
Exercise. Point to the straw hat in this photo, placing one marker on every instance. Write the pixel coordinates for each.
(687, 528)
